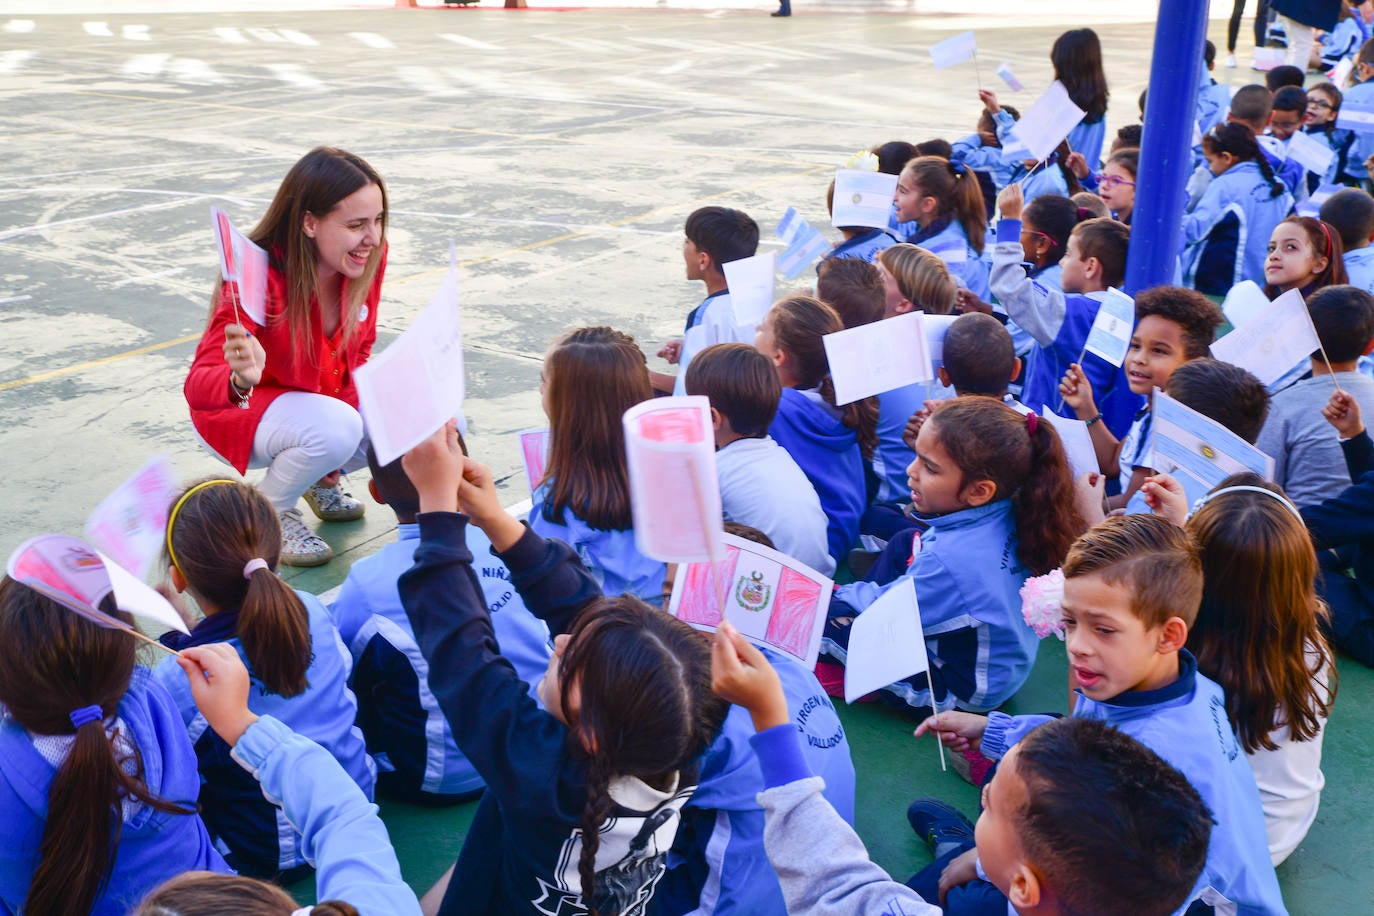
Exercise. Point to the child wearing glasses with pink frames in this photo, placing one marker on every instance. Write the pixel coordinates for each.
(1116, 185)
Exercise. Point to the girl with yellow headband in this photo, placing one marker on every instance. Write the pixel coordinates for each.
(281, 395)
(223, 543)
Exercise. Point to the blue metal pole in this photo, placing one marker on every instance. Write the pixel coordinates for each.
(1166, 158)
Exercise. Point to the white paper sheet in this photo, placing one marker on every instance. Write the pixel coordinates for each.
(1047, 122)
(750, 281)
(1199, 452)
(935, 327)
(862, 199)
(1004, 71)
(1310, 153)
(1273, 340)
(1110, 336)
(877, 357)
(1243, 302)
(886, 642)
(954, 50)
(1077, 441)
(416, 384)
(674, 493)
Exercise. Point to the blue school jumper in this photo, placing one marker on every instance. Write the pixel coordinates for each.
(1342, 41)
(864, 246)
(1225, 237)
(153, 845)
(1345, 523)
(968, 581)
(341, 833)
(1059, 324)
(1186, 724)
(1359, 267)
(405, 729)
(1363, 146)
(892, 456)
(946, 238)
(520, 855)
(259, 839)
(611, 556)
(718, 864)
(1339, 141)
(828, 453)
(1213, 104)
(973, 153)
(1289, 171)
(1048, 179)
(1087, 138)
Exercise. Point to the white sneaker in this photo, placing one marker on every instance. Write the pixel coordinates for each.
(1230, 62)
(299, 545)
(332, 504)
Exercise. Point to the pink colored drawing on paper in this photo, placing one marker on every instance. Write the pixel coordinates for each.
(244, 264)
(534, 449)
(794, 613)
(129, 525)
(700, 604)
(673, 488)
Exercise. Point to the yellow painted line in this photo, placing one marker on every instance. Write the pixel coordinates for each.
(104, 360)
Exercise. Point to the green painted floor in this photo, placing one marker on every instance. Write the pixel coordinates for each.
(1329, 873)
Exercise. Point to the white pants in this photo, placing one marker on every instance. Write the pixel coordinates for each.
(1300, 39)
(301, 438)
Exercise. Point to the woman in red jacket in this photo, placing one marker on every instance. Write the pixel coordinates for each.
(281, 395)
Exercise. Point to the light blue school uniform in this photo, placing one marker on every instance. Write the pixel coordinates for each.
(612, 556)
(863, 247)
(946, 237)
(1213, 105)
(974, 154)
(1048, 179)
(1342, 41)
(1050, 277)
(1087, 138)
(1363, 146)
(1359, 266)
(1225, 237)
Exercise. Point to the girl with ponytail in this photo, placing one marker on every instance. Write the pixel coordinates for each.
(223, 545)
(945, 199)
(98, 781)
(831, 444)
(995, 490)
(1226, 235)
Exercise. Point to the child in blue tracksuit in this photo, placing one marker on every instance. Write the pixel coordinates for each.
(1226, 235)
(222, 541)
(1077, 59)
(982, 151)
(591, 377)
(993, 486)
(405, 729)
(830, 444)
(1132, 586)
(1351, 213)
(1059, 322)
(341, 833)
(1344, 40)
(70, 706)
(944, 198)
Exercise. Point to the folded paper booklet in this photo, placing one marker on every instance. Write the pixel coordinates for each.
(670, 451)
(774, 600)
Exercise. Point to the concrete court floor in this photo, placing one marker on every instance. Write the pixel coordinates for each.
(560, 151)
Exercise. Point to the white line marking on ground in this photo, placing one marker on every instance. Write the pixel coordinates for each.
(15, 299)
(145, 278)
(298, 38)
(373, 40)
(11, 61)
(231, 35)
(268, 35)
(470, 42)
(20, 25)
(197, 72)
(5, 235)
(294, 75)
(98, 29)
(675, 68)
(145, 66)
(136, 33)
(426, 80)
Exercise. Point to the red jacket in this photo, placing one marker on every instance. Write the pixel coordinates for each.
(228, 428)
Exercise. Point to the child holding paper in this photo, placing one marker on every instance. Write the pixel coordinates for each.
(829, 443)
(1306, 451)
(1058, 322)
(1077, 59)
(340, 829)
(1360, 96)
(93, 758)
(1131, 592)
(591, 377)
(405, 729)
(1061, 829)
(982, 150)
(945, 199)
(1350, 212)
(1323, 107)
(760, 484)
(1172, 326)
(1226, 234)
(1258, 634)
(714, 236)
(222, 544)
(280, 395)
(859, 242)
(995, 489)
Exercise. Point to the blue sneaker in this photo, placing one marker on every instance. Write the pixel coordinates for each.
(943, 827)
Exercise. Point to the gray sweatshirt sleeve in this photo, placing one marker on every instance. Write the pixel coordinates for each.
(1038, 310)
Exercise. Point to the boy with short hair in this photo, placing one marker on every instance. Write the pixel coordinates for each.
(1253, 106)
(1059, 322)
(1350, 212)
(1061, 831)
(1307, 452)
(714, 236)
(760, 484)
(1132, 587)
(1227, 394)
(1173, 325)
(417, 759)
(979, 359)
(853, 288)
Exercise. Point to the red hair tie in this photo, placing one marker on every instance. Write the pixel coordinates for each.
(1326, 231)
(1032, 423)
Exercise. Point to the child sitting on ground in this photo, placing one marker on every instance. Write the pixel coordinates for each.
(1172, 326)
(853, 288)
(760, 484)
(991, 484)
(859, 242)
(1061, 831)
(1058, 322)
(1132, 587)
(405, 729)
(715, 236)
(982, 149)
(1306, 451)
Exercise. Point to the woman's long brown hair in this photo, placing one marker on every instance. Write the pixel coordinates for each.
(591, 377)
(53, 662)
(1258, 630)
